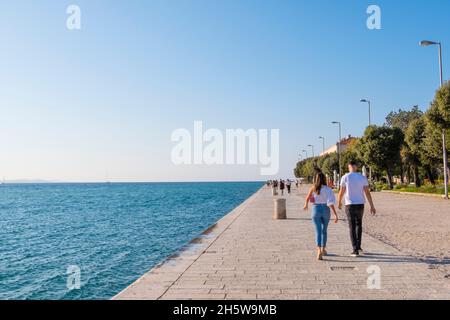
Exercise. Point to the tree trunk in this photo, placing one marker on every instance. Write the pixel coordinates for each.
(389, 178)
(430, 176)
(409, 175)
(402, 174)
(416, 177)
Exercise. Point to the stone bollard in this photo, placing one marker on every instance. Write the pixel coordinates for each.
(274, 192)
(279, 210)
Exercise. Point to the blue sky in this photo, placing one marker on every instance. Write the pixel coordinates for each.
(101, 103)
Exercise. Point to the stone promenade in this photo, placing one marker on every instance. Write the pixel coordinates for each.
(247, 255)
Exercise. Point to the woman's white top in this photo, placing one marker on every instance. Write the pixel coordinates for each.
(326, 196)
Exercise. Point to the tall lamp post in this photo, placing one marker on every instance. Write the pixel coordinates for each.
(339, 147)
(370, 123)
(426, 43)
(312, 149)
(323, 145)
(368, 102)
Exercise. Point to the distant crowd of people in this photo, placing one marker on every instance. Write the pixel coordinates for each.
(281, 185)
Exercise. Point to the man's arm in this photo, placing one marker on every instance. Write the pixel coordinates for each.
(373, 211)
(340, 196)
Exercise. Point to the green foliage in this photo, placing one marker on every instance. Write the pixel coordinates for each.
(431, 149)
(439, 112)
(306, 168)
(410, 143)
(413, 150)
(380, 148)
(327, 163)
(431, 189)
(402, 118)
(330, 164)
(351, 154)
(414, 138)
(379, 186)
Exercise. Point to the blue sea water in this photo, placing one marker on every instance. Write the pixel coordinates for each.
(113, 232)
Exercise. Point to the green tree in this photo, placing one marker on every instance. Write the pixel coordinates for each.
(414, 141)
(402, 118)
(299, 170)
(350, 154)
(306, 169)
(330, 164)
(380, 149)
(431, 154)
(439, 112)
(439, 118)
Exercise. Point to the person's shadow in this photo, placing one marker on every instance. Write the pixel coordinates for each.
(374, 257)
(298, 219)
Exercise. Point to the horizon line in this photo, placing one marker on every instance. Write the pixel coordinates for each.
(122, 182)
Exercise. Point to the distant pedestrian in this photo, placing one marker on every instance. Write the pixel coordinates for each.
(288, 186)
(282, 185)
(274, 188)
(323, 199)
(353, 187)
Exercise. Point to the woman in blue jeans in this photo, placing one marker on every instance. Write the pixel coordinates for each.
(322, 198)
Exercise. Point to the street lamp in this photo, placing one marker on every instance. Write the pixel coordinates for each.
(368, 102)
(339, 147)
(426, 43)
(370, 123)
(323, 145)
(312, 148)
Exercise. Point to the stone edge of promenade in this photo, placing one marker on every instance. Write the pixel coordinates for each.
(153, 284)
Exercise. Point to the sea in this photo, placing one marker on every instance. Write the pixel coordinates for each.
(90, 241)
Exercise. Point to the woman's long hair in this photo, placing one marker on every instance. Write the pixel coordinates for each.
(319, 181)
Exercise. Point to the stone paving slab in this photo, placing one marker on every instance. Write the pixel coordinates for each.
(248, 255)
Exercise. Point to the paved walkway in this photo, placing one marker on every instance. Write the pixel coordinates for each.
(247, 255)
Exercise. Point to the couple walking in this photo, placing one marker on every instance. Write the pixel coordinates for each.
(353, 188)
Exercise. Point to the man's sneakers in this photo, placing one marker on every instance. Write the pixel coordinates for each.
(357, 253)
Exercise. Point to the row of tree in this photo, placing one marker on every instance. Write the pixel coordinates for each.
(408, 145)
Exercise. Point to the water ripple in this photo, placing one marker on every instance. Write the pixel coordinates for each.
(113, 232)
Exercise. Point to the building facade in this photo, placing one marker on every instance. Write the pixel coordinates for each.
(344, 143)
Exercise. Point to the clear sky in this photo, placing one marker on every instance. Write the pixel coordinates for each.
(101, 103)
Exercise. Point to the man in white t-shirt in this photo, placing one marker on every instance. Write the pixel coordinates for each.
(354, 186)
